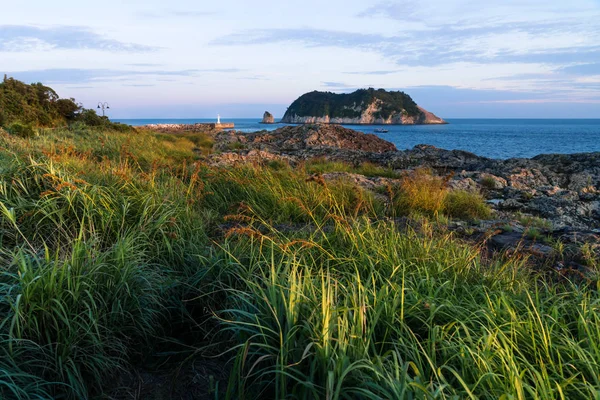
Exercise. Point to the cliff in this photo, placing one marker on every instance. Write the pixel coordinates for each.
(362, 107)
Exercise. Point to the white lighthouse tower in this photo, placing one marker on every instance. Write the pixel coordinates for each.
(218, 119)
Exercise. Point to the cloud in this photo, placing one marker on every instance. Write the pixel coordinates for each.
(456, 101)
(389, 72)
(558, 39)
(441, 93)
(76, 76)
(529, 76)
(22, 38)
(574, 78)
(337, 85)
(583, 69)
(400, 9)
(223, 70)
(144, 65)
(175, 14)
(555, 56)
(255, 78)
(308, 37)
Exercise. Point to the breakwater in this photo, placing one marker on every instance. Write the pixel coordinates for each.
(197, 127)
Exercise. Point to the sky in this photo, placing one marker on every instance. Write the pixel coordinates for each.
(194, 59)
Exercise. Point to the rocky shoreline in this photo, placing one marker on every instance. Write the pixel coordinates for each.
(368, 118)
(555, 195)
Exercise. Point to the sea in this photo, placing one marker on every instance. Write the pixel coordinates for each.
(493, 138)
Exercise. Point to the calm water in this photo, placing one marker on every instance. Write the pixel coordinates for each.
(495, 138)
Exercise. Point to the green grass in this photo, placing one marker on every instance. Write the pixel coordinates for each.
(371, 312)
(531, 221)
(321, 166)
(420, 191)
(488, 182)
(115, 246)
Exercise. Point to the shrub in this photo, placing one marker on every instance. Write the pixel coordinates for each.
(466, 205)
(21, 130)
(90, 118)
(234, 146)
(419, 191)
(488, 182)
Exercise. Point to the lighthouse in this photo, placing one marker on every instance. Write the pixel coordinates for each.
(220, 125)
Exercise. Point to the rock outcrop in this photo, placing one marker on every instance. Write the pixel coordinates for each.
(363, 107)
(564, 189)
(306, 141)
(268, 118)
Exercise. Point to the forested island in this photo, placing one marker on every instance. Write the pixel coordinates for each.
(364, 106)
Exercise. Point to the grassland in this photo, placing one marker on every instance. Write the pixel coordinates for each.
(120, 250)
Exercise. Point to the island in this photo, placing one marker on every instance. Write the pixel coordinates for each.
(362, 107)
(268, 118)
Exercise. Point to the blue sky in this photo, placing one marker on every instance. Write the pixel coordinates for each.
(186, 59)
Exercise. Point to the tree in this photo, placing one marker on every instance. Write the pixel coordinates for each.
(68, 108)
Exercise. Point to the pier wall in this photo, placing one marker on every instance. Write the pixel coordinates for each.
(199, 127)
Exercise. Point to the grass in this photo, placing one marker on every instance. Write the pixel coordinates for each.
(534, 222)
(488, 182)
(321, 166)
(371, 312)
(420, 191)
(533, 233)
(118, 249)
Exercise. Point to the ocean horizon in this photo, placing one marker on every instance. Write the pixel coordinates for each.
(489, 137)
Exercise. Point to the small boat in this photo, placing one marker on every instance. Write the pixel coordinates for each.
(381, 130)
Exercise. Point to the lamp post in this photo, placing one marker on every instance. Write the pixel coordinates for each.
(104, 107)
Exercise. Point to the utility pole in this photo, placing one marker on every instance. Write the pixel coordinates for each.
(104, 107)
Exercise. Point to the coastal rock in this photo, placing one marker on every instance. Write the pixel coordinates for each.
(467, 184)
(527, 179)
(231, 158)
(492, 182)
(511, 204)
(304, 140)
(364, 106)
(517, 242)
(268, 118)
(565, 189)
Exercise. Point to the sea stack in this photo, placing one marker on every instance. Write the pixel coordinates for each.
(362, 107)
(268, 118)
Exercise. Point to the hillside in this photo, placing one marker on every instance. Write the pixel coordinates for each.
(364, 106)
(38, 106)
